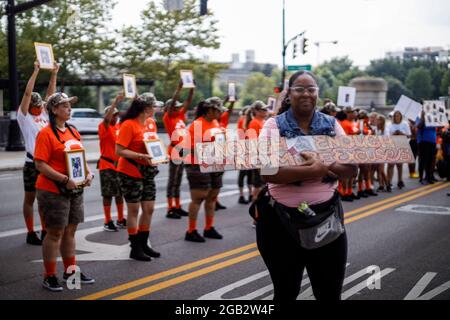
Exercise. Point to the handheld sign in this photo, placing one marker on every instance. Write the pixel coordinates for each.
(271, 103)
(409, 108)
(44, 54)
(76, 166)
(435, 114)
(188, 78)
(232, 92)
(129, 85)
(346, 97)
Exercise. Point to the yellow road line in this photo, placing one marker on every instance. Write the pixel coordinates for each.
(381, 202)
(393, 204)
(168, 283)
(186, 277)
(166, 273)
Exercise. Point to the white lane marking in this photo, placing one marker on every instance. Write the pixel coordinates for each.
(363, 284)
(15, 232)
(97, 251)
(417, 208)
(417, 290)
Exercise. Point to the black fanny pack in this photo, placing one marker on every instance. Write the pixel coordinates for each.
(114, 163)
(66, 192)
(312, 226)
(145, 171)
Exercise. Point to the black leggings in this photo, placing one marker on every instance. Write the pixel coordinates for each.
(427, 154)
(286, 261)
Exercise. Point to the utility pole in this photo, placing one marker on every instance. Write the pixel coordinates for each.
(14, 140)
(318, 48)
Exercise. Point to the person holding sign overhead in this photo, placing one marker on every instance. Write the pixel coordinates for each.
(59, 196)
(175, 123)
(32, 117)
(204, 187)
(137, 173)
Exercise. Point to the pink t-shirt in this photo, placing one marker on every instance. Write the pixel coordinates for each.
(311, 192)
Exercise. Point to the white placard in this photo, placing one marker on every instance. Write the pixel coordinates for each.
(232, 92)
(188, 78)
(129, 86)
(409, 108)
(76, 166)
(346, 97)
(435, 113)
(271, 103)
(44, 54)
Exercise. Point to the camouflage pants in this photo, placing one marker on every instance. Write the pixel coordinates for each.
(30, 174)
(135, 190)
(175, 176)
(109, 183)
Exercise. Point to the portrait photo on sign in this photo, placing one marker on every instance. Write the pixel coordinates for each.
(232, 91)
(188, 78)
(44, 54)
(271, 103)
(156, 150)
(76, 166)
(129, 84)
(346, 97)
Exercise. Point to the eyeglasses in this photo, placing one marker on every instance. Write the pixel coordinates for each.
(301, 90)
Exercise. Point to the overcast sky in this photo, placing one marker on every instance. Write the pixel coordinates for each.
(365, 29)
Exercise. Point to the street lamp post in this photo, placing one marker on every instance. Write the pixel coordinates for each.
(318, 48)
(14, 141)
(285, 45)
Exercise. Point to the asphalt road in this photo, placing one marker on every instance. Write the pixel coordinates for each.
(398, 244)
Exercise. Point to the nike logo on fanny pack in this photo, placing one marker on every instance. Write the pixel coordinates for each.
(322, 232)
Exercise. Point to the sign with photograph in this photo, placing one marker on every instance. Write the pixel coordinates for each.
(435, 113)
(346, 97)
(282, 152)
(271, 103)
(129, 85)
(76, 166)
(188, 78)
(44, 54)
(409, 108)
(156, 150)
(232, 91)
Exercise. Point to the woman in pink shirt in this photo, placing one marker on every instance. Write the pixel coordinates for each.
(299, 215)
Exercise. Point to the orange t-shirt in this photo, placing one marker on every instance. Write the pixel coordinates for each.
(240, 127)
(255, 126)
(53, 152)
(202, 130)
(108, 137)
(224, 119)
(176, 128)
(132, 134)
(350, 127)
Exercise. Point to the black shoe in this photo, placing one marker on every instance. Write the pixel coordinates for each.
(242, 200)
(362, 194)
(194, 237)
(380, 189)
(400, 185)
(33, 239)
(122, 224)
(137, 252)
(43, 234)
(389, 188)
(430, 181)
(212, 233)
(110, 227)
(172, 214)
(219, 206)
(370, 192)
(84, 279)
(181, 212)
(143, 237)
(51, 283)
(355, 196)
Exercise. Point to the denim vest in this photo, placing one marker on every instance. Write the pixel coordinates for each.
(321, 125)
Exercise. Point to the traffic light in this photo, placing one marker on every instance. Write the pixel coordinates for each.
(203, 7)
(294, 52)
(305, 45)
(277, 90)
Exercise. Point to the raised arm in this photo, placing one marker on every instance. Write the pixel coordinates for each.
(188, 101)
(109, 115)
(52, 84)
(26, 99)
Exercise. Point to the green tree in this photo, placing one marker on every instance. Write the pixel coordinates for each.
(396, 89)
(257, 87)
(419, 82)
(163, 40)
(445, 83)
(387, 67)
